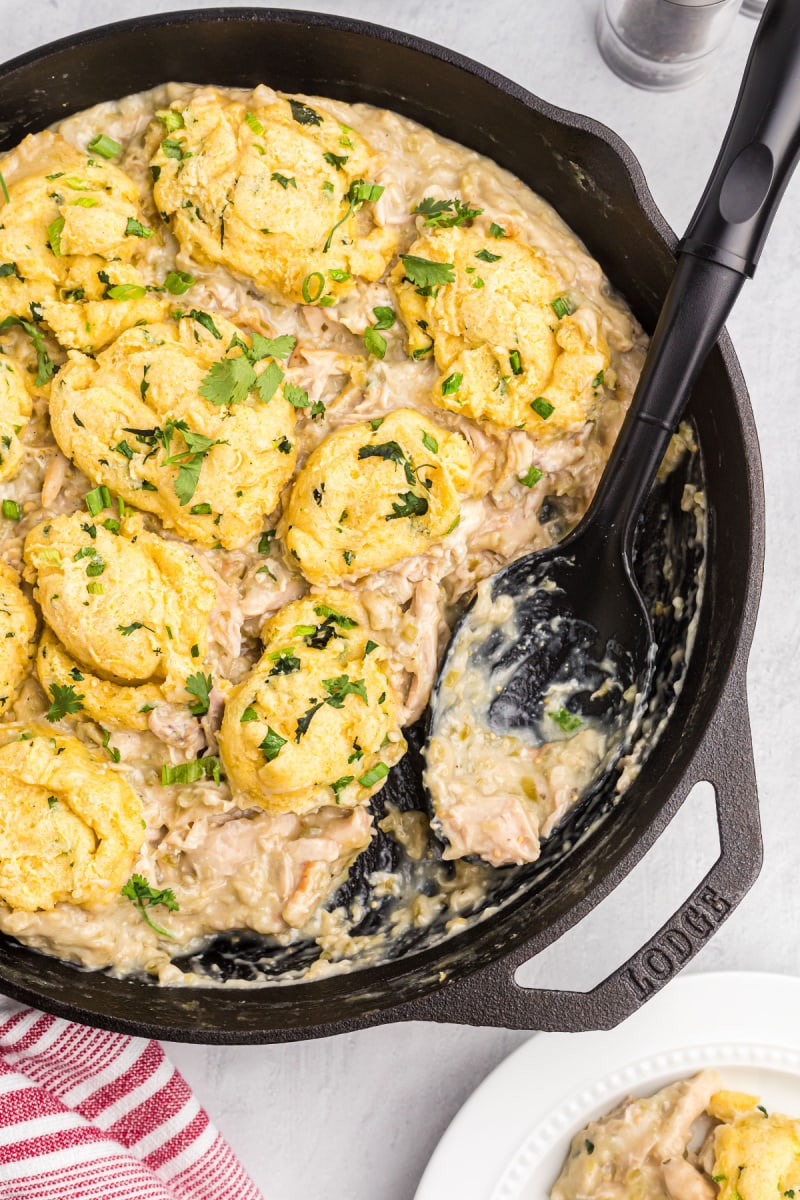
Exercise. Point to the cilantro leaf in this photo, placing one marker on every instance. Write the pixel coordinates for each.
(278, 347)
(340, 687)
(286, 662)
(65, 700)
(444, 214)
(565, 720)
(272, 744)
(425, 273)
(45, 367)
(411, 505)
(303, 114)
(268, 382)
(204, 319)
(229, 381)
(199, 685)
(144, 896)
(330, 614)
(295, 395)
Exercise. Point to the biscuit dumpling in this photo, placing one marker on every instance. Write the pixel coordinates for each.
(273, 189)
(71, 827)
(757, 1156)
(315, 722)
(369, 497)
(17, 635)
(186, 419)
(15, 411)
(126, 614)
(72, 233)
(510, 347)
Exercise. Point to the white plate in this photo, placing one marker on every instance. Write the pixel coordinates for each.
(510, 1139)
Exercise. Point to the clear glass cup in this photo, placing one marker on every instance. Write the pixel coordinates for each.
(662, 44)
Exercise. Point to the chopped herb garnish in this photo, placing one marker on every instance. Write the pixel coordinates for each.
(295, 395)
(178, 282)
(410, 505)
(313, 287)
(496, 231)
(64, 700)
(98, 499)
(348, 556)
(284, 446)
(252, 120)
(206, 321)
(562, 306)
(336, 161)
(248, 715)
(200, 510)
(340, 784)
(229, 381)
(358, 193)
(54, 231)
(143, 896)
(126, 291)
(4, 189)
(303, 114)
(487, 256)
(44, 364)
(429, 442)
(598, 379)
(172, 148)
(370, 646)
(199, 686)
(284, 180)
(127, 630)
(278, 347)
(190, 772)
(272, 744)
(426, 274)
(135, 228)
(515, 359)
(330, 614)
(286, 662)
(104, 145)
(531, 477)
(170, 119)
(379, 771)
(564, 719)
(385, 317)
(452, 383)
(542, 407)
(375, 342)
(589, 1146)
(444, 214)
(11, 510)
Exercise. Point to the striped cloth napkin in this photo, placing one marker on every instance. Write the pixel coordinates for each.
(90, 1115)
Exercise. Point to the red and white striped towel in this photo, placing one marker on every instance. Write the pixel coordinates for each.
(89, 1115)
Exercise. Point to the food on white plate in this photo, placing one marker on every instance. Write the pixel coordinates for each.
(692, 1140)
(252, 470)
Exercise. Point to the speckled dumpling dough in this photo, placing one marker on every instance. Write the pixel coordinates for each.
(505, 353)
(136, 419)
(126, 615)
(68, 232)
(367, 498)
(17, 635)
(315, 722)
(70, 827)
(15, 411)
(260, 187)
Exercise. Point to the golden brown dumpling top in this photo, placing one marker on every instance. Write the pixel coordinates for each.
(272, 190)
(374, 493)
(178, 420)
(509, 348)
(315, 722)
(70, 236)
(70, 826)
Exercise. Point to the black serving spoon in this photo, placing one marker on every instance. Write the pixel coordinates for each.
(578, 645)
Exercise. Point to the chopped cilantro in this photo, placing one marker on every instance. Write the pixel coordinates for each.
(303, 114)
(272, 744)
(496, 231)
(135, 228)
(65, 700)
(487, 256)
(452, 383)
(143, 896)
(426, 274)
(199, 686)
(374, 342)
(444, 214)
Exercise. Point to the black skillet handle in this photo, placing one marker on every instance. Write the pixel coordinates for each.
(492, 996)
(760, 150)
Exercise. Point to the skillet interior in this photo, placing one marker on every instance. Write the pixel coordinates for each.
(595, 184)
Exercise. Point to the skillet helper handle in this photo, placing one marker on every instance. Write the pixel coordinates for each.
(492, 996)
(759, 152)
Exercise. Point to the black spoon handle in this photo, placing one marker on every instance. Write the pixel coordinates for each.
(720, 250)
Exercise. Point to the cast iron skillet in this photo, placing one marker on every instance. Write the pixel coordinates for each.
(596, 184)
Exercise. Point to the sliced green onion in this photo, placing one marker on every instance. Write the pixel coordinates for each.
(516, 362)
(11, 510)
(379, 771)
(531, 477)
(178, 282)
(104, 145)
(126, 291)
(98, 499)
(542, 407)
(306, 288)
(452, 383)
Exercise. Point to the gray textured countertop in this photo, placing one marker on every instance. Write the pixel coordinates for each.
(358, 1116)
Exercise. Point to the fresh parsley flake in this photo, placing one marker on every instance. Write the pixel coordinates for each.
(65, 701)
(144, 896)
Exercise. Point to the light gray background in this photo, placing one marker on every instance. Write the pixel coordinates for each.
(357, 1117)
